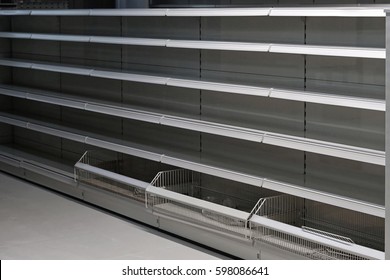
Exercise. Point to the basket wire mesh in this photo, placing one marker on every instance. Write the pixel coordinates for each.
(111, 162)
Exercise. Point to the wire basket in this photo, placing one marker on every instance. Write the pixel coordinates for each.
(104, 171)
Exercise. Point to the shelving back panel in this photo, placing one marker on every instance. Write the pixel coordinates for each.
(5, 77)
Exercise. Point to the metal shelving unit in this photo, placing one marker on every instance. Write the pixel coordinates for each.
(178, 194)
(299, 143)
(208, 45)
(291, 116)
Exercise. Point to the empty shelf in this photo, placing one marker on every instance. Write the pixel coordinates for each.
(198, 203)
(338, 11)
(56, 132)
(78, 136)
(330, 99)
(221, 87)
(218, 12)
(379, 53)
(48, 37)
(214, 128)
(281, 140)
(54, 100)
(67, 12)
(14, 12)
(110, 144)
(46, 170)
(59, 37)
(129, 77)
(169, 200)
(129, 113)
(12, 91)
(128, 12)
(86, 12)
(85, 39)
(86, 72)
(113, 176)
(151, 117)
(329, 51)
(15, 35)
(15, 63)
(128, 148)
(122, 149)
(62, 69)
(326, 148)
(124, 113)
(215, 45)
(13, 121)
(206, 220)
(9, 160)
(46, 67)
(37, 162)
(40, 96)
(300, 233)
(327, 198)
(330, 12)
(215, 171)
(128, 41)
(320, 98)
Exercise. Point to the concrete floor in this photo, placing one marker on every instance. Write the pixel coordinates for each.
(36, 223)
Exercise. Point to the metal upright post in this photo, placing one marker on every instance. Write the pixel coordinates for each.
(387, 136)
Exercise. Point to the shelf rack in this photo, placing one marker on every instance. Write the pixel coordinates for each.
(177, 194)
(104, 172)
(162, 156)
(304, 96)
(311, 145)
(362, 11)
(304, 242)
(378, 53)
